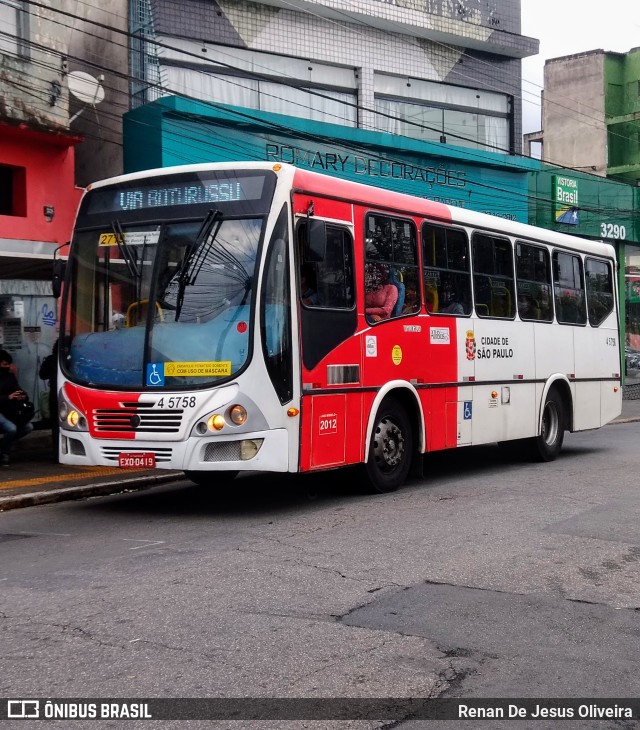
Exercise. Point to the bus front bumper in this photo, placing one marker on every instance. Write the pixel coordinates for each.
(257, 451)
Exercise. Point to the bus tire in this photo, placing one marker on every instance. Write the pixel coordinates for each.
(546, 446)
(211, 479)
(390, 448)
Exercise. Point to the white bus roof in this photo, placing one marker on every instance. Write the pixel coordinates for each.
(378, 196)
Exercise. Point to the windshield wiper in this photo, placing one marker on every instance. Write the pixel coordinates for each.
(125, 250)
(194, 260)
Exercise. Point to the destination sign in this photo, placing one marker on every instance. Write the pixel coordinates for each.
(170, 192)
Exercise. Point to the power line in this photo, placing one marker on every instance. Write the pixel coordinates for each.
(278, 128)
(295, 82)
(317, 138)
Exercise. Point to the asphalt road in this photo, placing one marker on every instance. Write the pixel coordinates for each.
(486, 579)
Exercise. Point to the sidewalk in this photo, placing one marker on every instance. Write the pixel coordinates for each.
(33, 478)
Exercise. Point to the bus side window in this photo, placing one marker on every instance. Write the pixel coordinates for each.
(493, 276)
(533, 282)
(328, 283)
(568, 288)
(391, 267)
(447, 279)
(599, 290)
(326, 292)
(275, 318)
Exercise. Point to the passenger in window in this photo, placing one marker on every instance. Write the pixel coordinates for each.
(544, 305)
(536, 312)
(454, 305)
(524, 306)
(411, 300)
(380, 301)
(431, 299)
(308, 294)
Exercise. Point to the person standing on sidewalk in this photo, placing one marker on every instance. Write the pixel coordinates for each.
(10, 394)
(49, 371)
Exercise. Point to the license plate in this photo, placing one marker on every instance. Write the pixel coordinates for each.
(136, 461)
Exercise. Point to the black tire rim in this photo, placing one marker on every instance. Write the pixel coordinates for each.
(388, 445)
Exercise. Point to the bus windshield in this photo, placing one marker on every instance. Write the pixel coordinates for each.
(161, 305)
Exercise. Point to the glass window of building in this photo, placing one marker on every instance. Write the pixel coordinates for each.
(432, 111)
(280, 84)
(632, 313)
(11, 27)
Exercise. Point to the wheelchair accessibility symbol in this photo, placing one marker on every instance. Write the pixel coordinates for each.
(155, 373)
(467, 410)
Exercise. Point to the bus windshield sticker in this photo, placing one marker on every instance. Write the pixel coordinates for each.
(155, 374)
(197, 369)
(132, 238)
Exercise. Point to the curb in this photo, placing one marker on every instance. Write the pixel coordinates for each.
(135, 484)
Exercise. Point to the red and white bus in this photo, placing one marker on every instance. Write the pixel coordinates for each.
(254, 316)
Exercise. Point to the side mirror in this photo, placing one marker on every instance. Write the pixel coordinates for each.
(315, 244)
(59, 268)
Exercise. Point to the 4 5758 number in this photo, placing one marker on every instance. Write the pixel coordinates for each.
(177, 401)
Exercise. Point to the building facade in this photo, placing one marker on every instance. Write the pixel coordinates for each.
(59, 62)
(591, 124)
(434, 71)
(38, 196)
(177, 131)
(420, 97)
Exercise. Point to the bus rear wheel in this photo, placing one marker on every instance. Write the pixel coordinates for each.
(211, 479)
(390, 448)
(546, 446)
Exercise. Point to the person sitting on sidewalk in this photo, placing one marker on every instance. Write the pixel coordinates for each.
(10, 393)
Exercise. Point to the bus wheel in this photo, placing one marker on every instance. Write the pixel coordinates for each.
(547, 445)
(390, 449)
(211, 479)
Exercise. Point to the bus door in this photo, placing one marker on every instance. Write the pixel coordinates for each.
(597, 352)
(504, 390)
(451, 335)
(330, 356)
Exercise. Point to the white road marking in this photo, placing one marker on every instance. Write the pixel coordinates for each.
(150, 543)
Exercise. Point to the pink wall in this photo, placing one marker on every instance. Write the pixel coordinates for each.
(49, 163)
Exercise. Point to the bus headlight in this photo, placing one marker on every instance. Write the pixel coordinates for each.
(70, 417)
(229, 419)
(215, 422)
(238, 414)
